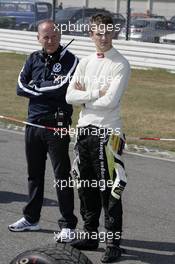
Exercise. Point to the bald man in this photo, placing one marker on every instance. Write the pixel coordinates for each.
(44, 80)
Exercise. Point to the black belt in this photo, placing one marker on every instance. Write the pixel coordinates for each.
(47, 120)
(58, 119)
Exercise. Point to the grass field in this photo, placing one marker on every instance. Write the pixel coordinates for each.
(148, 107)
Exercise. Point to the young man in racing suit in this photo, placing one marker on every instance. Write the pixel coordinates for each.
(98, 85)
(44, 80)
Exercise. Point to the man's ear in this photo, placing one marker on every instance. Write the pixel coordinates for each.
(38, 37)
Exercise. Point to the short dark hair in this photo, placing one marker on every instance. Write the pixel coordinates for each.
(101, 18)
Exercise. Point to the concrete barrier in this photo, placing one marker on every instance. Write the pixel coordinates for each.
(139, 54)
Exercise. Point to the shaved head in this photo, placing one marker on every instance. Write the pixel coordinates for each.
(48, 36)
(46, 23)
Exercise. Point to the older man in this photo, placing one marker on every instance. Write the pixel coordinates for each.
(44, 80)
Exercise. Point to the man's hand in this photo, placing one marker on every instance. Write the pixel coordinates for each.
(79, 86)
(103, 91)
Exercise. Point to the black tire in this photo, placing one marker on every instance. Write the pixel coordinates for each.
(52, 254)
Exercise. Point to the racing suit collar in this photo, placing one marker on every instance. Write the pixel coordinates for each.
(101, 55)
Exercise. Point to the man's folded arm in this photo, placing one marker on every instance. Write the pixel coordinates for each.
(75, 96)
(116, 89)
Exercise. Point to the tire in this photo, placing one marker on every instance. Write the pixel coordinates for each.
(52, 254)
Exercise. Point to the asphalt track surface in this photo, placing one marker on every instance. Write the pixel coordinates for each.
(148, 201)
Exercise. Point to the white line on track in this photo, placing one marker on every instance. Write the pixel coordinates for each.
(149, 157)
(127, 152)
